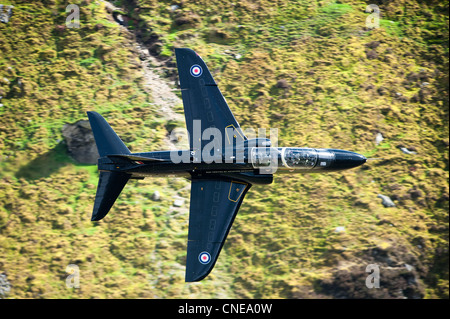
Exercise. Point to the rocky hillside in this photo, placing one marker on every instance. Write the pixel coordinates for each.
(312, 69)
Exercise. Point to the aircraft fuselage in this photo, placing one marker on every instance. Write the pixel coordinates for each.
(254, 160)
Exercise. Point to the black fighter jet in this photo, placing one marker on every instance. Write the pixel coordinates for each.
(222, 163)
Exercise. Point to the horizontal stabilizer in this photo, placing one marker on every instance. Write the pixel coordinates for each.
(109, 187)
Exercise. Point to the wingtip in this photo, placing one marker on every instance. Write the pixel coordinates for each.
(194, 277)
(184, 50)
(96, 215)
(94, 218)
(195, 269)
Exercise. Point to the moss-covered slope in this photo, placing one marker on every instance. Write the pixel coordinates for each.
(312, 69)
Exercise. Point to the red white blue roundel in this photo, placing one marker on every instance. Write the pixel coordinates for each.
(196, 70)
(204, 258)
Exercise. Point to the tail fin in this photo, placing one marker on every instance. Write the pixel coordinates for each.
(110, 183)
(106, 139)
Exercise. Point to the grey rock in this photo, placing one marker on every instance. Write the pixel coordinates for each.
(282, 84)
(80, 142)
(379, 138)
(339, 229)
(409, 267)
(5, 286)
(120, 19)
(156, 196)
(178, 202)
(5, 13)
(386, 201)
(407, 151)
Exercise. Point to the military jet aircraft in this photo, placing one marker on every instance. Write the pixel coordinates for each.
(222, 163)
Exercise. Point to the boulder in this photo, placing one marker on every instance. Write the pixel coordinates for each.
(5, 13)
(156, 196)
(282, 84)
(386, 201)
(379, 138)
(80, 142)
(178, 202)
(407, 151)
(339, 229)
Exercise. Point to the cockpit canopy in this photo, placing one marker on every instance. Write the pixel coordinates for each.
(299, 157)
(262, 156)
(286, 157)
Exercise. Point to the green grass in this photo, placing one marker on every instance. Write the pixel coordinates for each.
(393, 28)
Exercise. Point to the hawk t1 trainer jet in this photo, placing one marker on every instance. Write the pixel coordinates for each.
(222, 163)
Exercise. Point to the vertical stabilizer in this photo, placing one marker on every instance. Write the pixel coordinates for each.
(106, 139)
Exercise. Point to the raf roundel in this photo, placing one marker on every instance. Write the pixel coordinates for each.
(204, 258)
(196, 70)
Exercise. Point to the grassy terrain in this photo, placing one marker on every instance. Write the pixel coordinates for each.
(309, 68)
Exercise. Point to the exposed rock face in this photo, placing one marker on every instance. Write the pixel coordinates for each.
(398, 270)
(80, 142)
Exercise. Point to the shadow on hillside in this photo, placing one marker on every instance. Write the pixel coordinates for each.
(45, 164)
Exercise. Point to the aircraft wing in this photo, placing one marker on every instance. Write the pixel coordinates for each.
(202, 100)
(214, 205)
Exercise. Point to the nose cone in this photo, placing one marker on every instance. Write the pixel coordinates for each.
(346, 159)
